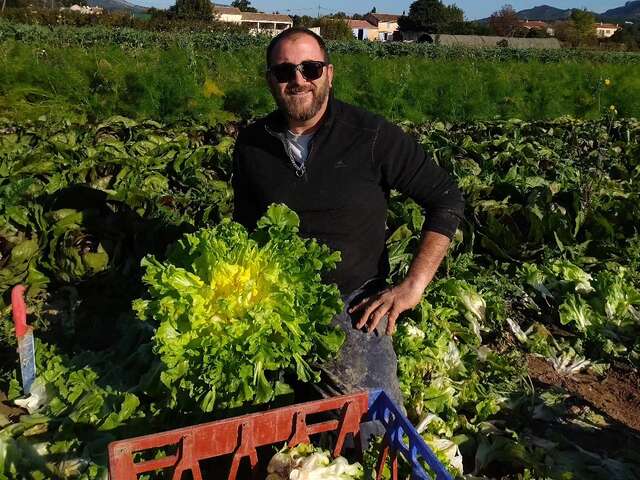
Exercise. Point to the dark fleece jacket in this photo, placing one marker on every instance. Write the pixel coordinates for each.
(341, 193)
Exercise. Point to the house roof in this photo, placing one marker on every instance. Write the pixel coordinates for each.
(607, 25)
(533, 24)
(360, 24)
(265, 17)
(385, 17)
(225, 9)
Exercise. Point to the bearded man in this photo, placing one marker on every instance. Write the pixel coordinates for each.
(335, 164)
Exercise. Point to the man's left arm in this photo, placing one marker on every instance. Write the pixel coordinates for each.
(404, 166)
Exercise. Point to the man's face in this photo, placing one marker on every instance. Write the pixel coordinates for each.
(300, 99)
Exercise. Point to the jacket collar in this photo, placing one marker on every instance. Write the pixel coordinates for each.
(277, 122)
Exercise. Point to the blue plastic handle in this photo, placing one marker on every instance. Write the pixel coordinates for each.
(397, 426)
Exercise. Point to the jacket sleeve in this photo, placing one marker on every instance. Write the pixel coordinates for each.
(405, 167)
(244, 205)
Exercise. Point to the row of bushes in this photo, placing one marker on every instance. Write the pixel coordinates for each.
(162, 22)
(214, 39)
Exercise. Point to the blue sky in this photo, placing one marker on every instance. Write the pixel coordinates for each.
(473, 8)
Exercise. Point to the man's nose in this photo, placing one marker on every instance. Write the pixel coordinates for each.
(298, 78)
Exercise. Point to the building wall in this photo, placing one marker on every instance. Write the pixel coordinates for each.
(226, 17)
(367, 34)
(605, 32)
(388, 26)
(385, 31)
(270, 28)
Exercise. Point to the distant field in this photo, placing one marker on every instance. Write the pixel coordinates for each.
(94, 82)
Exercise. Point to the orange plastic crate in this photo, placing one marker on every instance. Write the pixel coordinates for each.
(240, 437)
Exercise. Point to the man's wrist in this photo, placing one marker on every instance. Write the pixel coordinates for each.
(416, 283)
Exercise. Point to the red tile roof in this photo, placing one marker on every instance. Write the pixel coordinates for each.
(607, 25)
(360, 24)
(224, 9)
(533, 24)
(265, 17)
(385, 17)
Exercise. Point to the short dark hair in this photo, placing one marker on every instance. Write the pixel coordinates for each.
(291, 32)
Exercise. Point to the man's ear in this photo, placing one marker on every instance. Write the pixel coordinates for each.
(330, 74)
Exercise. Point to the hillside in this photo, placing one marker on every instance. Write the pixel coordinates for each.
(113, 5)
(545, 13)
(629, 12)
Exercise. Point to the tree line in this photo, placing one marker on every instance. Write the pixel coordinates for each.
(430, 16)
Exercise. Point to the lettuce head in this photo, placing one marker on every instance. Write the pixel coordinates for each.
(235, 314)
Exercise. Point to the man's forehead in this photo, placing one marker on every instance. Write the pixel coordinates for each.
(298, 47)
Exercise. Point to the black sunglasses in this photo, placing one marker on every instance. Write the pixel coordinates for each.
(285, 72)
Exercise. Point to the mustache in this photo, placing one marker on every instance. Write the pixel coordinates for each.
(295, 90)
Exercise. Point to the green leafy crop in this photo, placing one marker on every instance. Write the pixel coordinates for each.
(234, 311)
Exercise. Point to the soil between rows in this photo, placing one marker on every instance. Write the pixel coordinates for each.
(617, 395)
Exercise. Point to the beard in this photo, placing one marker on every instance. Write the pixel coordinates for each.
(301, 107)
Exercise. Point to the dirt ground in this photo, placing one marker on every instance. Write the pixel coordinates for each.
(617, 394)
(7, 409)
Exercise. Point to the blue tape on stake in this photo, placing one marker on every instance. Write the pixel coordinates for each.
(27, 354)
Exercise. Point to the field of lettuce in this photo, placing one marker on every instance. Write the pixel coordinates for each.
(544, 272)
(152, 310)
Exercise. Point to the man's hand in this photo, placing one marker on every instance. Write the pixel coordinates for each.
(391, 302)
(407, 294)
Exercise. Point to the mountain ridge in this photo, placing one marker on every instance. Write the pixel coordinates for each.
(117, 5)
(629, 12)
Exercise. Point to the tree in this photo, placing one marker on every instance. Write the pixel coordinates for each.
(243, 6)
(584, 27)
(194, 9)
(468, 28)
(335, 29)
(430, 16)
(373, 10)
(504, 22)
(578, 31)
(537, 33)
(629, 36)
(304, 21)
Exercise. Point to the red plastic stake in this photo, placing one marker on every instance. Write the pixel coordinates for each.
(19, 310)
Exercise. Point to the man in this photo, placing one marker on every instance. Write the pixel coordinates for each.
(334, 164)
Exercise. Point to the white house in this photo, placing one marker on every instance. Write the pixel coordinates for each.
(223, 13)
(537, 25)
(363, 30)
(84, 9)
(386, 23)
(264, 23)
(606, 30)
